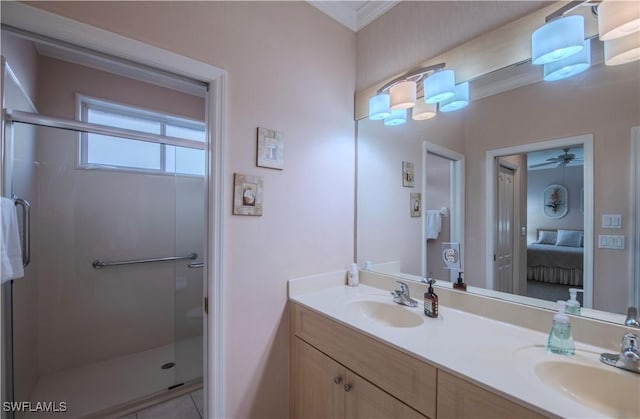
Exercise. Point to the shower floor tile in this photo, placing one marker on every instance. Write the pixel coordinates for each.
(95, 387)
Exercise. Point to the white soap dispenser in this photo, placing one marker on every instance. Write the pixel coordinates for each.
(353, 276)
(560, 340)
(573, 305)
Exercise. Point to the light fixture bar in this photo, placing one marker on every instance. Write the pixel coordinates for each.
(567, 8)
(413, 75)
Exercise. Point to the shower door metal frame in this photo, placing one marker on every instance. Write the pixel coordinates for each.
(27, 18)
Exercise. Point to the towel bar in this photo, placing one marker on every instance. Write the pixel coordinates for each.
(98, 264)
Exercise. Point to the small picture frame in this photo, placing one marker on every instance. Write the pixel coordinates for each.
(408, 176)
(270, 153)
(416, 204)
(555, 201)
(247, 194)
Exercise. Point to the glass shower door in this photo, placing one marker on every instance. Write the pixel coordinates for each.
(190, 227)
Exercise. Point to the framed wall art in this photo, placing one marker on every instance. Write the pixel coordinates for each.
(416, 204)
(270, 152)
(555, 201)
(407, 174)
(247, 194)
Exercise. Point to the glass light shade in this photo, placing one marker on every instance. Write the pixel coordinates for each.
(458, 101)
(423, 111)
(557, 39)
(570, 66)
(403, 95)
(397, 117)
(439, 86)
(617, 19)
(622, 50)
(379, 107)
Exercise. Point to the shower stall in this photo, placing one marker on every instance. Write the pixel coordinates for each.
(108, 316)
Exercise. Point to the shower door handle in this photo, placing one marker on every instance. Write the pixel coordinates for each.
(196, 265)
(26, 229)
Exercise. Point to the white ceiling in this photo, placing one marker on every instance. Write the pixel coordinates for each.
(355, 15)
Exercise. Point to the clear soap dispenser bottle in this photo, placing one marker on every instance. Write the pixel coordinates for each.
(560, 339)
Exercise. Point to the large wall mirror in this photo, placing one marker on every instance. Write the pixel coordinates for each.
(547, 183)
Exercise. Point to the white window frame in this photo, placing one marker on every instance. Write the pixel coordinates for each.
(84, 102)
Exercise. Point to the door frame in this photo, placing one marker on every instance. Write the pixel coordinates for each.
(456, 212)
(38, 21)
(634, 295)
(587, 142)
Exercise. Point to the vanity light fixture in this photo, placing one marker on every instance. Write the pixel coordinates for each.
(397, 117)
(570, 66)
(395, 97)
(560, 37)
(459, 100)
(617, 19)
(379, 106)
(439, 86)
(403, 95)
(622, 50)
(423, 111)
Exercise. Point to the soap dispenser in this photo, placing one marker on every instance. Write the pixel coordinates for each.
(431, 301)
(560, 339)
(573, 305)
(459, 284)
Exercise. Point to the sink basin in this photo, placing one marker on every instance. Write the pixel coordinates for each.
(613, 392)
(389, 314)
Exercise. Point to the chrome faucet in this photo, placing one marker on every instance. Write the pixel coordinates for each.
(632, 318)
(402, 296)
(629, 356)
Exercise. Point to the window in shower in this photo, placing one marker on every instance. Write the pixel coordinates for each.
(102, 151)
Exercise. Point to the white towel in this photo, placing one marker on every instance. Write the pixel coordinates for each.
(11, 254)
(433, 224)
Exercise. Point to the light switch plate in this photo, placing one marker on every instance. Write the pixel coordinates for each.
(610, 242)
(611, 221)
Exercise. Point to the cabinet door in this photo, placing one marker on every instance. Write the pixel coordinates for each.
(318, 384)
(460, 399)
(366, 401)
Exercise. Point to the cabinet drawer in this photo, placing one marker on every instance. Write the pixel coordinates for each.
(459, 399)
(406, 378)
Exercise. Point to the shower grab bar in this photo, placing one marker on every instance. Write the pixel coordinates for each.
(196, 265)
(88, 127)
(26, 228)
(98, 264)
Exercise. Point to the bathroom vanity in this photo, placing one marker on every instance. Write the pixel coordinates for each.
(356, 354)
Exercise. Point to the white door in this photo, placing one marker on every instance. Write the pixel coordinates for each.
(503, 273)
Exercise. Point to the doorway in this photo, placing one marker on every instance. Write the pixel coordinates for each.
(47, 26)
(583, 234)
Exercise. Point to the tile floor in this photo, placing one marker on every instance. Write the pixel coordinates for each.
(189, 406)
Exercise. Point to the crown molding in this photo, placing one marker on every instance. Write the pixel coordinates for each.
(353, 19)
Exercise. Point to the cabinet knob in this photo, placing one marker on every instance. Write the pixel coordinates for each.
(347, 387)
(337, 380)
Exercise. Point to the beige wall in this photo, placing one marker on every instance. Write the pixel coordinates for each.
(290, 68)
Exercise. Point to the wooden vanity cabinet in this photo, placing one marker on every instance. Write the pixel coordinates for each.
(458, 398)
(323, 388)
(382, 382)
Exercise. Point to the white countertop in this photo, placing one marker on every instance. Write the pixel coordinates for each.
(493, 354)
